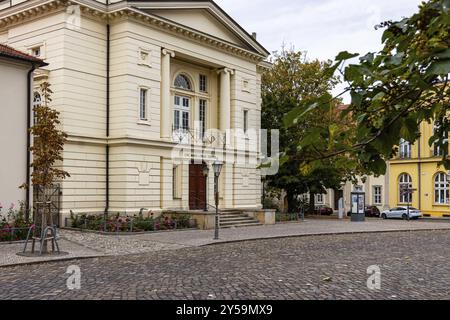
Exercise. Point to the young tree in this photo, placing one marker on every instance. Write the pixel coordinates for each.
(48, 142)
(393, 90)
(292, 83)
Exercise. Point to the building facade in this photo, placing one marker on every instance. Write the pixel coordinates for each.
(150, 94)
(16, 80)
(417, 168)
(376, 191)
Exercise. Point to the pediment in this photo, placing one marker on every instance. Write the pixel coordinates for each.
(205, 17)
(201, 20)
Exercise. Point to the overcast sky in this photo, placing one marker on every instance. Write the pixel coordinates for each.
(323, 28)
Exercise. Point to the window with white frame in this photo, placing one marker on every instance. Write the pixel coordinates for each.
(441, 189)
(377, 195)
(203, 83)
(437, 150)
(143, 97)
(183, 82)
(319, 198)
(37, 102)
(202, 117)
(405, 149)
(245, 121)
(405, 188)
(37, 50)
(181, 113)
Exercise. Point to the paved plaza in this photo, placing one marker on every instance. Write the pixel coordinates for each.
(414, 265)
(85, 245)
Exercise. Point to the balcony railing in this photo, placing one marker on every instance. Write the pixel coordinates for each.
(189, 136)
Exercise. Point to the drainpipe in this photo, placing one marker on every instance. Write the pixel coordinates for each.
(419, 170)
(107, 113)
(28, 163)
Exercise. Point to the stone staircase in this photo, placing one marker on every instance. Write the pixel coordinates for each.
(236, 219)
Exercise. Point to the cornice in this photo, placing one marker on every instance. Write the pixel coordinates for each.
(32, 9)
(29, 10)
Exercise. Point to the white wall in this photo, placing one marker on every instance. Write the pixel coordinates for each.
(13, 131)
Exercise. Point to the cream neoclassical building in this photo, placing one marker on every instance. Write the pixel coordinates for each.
(149, 92)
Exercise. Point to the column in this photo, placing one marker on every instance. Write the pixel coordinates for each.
(225, 126)
(166, 103)
(225, 98)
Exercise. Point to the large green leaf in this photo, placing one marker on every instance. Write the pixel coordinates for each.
(345, 55)
(440, 67)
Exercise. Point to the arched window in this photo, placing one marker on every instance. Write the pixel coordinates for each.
(441, 190)
(182, 82)
(405, 188)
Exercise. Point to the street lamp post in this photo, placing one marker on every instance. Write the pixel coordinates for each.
(205, 174)
(217, 166)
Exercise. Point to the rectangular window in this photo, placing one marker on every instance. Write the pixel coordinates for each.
(437, 150)
(377, 190)
(36, 51)
(143, 104)
(185, 121)
(176, 120)
(176, 182)
(405, 149)
(319, 198)
(202, 118)
(245, 121)
(203, 85)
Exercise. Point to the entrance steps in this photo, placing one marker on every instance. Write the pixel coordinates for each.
(237, 219)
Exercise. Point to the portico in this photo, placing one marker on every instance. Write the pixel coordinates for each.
(182, 77)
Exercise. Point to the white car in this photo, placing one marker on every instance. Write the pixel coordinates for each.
(401, 213)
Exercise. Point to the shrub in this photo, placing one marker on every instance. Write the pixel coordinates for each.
(13, 226)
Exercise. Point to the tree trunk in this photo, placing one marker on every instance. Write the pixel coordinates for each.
(292, 203)
(312, 203)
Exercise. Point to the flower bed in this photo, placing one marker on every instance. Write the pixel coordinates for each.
(13, 226)
(137, 223)
(286, 217)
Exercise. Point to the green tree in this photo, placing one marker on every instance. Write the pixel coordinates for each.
(291, 84)
(48, 142)
(392, 91)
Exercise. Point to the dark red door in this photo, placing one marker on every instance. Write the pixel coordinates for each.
(197, 187)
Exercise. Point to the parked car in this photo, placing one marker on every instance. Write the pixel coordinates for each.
(401, 213)
(323, 210)
(370, 211)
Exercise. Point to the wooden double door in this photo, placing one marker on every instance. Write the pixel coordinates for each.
(197, 187)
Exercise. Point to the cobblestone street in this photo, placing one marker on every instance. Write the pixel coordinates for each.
(414, 265)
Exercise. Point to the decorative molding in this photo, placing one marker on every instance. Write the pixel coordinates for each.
(22, 13)
(226, 70)
(165, 52)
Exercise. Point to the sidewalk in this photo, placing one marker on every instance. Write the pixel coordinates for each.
(86, 245)
(308, 228)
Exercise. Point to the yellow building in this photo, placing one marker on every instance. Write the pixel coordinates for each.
(416, 167)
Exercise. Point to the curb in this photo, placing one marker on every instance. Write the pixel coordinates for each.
(49, 261)
(127, 234)
(320, 234)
